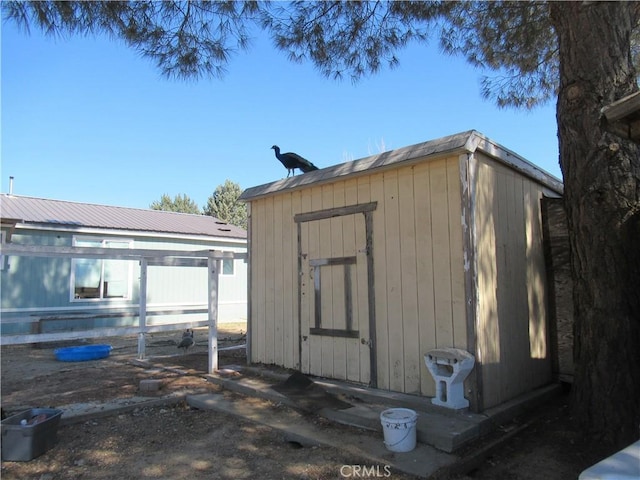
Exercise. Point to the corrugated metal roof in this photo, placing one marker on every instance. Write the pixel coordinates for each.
(468, 141)
(41, 211)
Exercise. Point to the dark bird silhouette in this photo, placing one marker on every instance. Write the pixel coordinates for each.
(291, 161)
(187, 340)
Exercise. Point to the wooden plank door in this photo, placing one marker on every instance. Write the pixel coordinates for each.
(336, 313)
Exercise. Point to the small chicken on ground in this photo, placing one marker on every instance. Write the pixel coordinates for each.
(187, 340)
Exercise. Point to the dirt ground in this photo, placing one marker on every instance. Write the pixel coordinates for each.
(176, 441)
(544, 446)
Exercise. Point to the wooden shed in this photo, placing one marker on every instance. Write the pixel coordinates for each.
(357, 270)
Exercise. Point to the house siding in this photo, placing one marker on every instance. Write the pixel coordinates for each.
(33, 285)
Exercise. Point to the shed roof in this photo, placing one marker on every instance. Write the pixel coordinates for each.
(623, 117)
(60, 213)
(465, 142)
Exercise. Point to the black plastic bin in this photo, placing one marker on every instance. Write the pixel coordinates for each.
(21, 443)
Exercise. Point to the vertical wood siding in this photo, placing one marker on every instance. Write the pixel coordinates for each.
(418, 271)
(512, 321)
(419, 275)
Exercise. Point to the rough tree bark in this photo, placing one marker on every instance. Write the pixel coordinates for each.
(602, 192)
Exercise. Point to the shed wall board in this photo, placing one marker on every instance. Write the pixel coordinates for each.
(425, 280)
(391, 268)
(257, 289)
(278, 278)
(409, 283)
(512, 319)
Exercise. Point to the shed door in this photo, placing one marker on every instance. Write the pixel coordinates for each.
(336, 314)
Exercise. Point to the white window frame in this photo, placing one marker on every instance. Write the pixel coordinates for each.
(104, 241)
(4, 259)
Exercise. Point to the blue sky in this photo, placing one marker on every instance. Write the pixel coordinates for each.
(87, 119)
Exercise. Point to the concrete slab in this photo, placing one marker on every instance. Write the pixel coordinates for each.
(423, 461)
(82, 412)
(150, 385)
(442, 428)
(446, 432)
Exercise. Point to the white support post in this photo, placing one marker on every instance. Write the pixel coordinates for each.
(142, 320)
(214, 269)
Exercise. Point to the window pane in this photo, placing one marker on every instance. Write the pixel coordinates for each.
(116, 273)
(97, 278)
(116, 244)
(227, 266)
(87, 243)
(87, 278)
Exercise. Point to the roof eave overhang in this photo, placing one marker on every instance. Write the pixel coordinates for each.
(89, 230)
(462, 143)
(479, 142)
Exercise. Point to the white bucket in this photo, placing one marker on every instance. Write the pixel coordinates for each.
(399, 427)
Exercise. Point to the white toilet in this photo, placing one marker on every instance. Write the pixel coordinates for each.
(449, 368)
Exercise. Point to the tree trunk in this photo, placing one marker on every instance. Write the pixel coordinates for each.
(602, 191)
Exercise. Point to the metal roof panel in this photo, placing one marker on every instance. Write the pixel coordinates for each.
(33, 210)
(469, 141)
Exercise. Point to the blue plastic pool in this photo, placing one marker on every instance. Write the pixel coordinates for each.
(81, 354)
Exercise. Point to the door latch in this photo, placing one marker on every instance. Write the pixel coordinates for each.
(366, 342)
